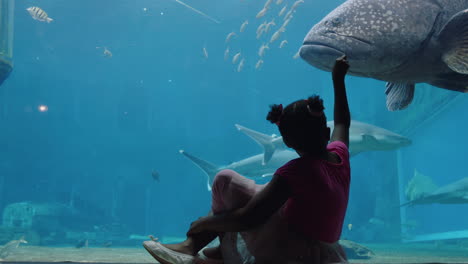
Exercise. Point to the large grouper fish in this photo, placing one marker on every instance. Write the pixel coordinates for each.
(402, 42)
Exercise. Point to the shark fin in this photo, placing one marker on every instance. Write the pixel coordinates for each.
(418, 188)
(209, 169)
(454, 38)
(399, 95)
(366, 138)
(263, 140)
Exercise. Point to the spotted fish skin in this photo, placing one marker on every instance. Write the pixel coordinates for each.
(38, 14)
(385, 40)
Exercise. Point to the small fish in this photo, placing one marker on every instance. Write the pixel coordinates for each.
(279, 2)
(275, 36)
(285, 24)
(296, 56)
(155, 239)
(289, 15)
(229, 36)
(260, 34)
(107, 53)
(296, 4)
(350, 226)
(261, 13)
(236, 58)
(270, 24)
(205, 53)
(267, 4)
(155, 175)
(283, 10)
(38, 14)
(261, 28)
(226, 53)
(259, 64)
(241, 65)
(263, 48)
(283, 43)
(243, 26)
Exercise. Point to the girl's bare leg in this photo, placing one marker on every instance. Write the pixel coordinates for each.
(230, 191)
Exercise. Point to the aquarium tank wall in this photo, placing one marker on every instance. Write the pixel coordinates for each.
(6, 38)
(118, 112)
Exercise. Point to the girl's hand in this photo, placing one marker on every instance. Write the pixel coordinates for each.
(198, 226)
(341, 67)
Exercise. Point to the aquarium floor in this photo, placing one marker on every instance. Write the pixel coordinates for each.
(384, 253)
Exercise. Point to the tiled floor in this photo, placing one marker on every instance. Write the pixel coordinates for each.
(414, 253)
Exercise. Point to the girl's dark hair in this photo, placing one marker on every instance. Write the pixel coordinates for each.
(302, 124)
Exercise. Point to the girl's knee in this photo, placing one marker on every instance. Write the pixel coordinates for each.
(221, 181)
(223, 177)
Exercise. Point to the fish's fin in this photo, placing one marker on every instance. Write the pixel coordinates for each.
(353, 153)
(49, 20)
(369, 139)
(399, 95)
(263, 140)
(267, 175)
(454, 39)
(209, 169)
(409, 203)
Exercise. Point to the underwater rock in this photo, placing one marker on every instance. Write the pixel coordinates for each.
(356, 251)
(45, 218)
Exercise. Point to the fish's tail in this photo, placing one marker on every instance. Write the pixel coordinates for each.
(207, 167)
(49, 20)
(265, 141)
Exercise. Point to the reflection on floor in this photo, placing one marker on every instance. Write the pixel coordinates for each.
(384, 253)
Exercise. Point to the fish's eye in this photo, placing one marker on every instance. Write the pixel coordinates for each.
(337, 21)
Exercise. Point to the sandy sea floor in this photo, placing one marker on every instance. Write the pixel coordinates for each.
(384, 253)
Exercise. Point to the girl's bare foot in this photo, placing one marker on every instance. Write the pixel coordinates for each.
(182, 247)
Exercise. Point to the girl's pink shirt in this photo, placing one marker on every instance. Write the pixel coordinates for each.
(320, 191)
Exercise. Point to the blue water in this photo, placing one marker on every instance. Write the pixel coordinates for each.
(111, 121)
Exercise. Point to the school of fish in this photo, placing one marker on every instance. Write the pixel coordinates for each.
(269, 25)
(265, 17)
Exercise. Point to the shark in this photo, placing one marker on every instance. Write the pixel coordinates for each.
(363, 137)
(421, 190)
(401, 42)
